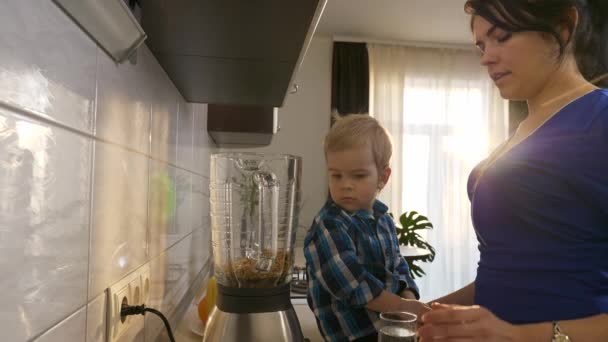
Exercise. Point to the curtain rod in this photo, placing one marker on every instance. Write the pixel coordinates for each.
(467, 47)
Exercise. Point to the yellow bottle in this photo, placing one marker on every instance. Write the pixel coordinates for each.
(207, 304)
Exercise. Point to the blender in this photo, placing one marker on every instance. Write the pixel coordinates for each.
(254, 207)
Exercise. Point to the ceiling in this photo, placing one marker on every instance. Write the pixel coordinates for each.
(434, 21)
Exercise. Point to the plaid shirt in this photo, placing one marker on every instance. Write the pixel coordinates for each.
(350, 260)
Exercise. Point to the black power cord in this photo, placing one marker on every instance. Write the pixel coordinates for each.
(127, 310)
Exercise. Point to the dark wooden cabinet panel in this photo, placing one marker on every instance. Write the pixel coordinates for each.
(231, 51)
(226, 81)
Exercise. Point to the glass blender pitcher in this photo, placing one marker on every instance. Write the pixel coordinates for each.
(254, 204)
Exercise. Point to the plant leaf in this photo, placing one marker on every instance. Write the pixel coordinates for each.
(407, 235)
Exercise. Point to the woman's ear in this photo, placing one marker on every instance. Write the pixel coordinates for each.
(383, 177)
(570, 24)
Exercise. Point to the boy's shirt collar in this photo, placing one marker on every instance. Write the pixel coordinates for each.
(378, 207)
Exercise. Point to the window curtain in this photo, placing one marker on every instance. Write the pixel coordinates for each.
(350, 78)
(445, 116)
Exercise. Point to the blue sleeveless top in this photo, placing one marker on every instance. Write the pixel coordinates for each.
(540, 212)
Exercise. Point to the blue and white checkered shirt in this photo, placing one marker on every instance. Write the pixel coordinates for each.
(350, 259)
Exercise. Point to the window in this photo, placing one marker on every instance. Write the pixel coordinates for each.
(445, 116)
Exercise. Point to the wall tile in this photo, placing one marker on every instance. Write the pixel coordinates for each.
(184, 135)
(47, 64)
(199, 251)
(161, 208)
(118, 232)
(164, 119)
(202, 143)
(70, 329)
(183, 205)
(170, 280)
(96, 319)
(50, 67)
(200, 201)
(124, 94)
(44, 224)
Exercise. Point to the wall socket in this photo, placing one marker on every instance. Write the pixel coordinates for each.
(134, 289)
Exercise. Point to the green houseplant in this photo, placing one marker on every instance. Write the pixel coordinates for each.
(411, 222)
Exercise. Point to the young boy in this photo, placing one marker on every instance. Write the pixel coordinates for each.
(354, 267)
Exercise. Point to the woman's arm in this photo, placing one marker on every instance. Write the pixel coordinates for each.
(464, 296)
(589, 329)
(478, 323)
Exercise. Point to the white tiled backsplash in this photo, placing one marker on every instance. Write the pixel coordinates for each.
(103, 168)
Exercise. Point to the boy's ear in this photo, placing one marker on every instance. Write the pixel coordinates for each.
(383, 177)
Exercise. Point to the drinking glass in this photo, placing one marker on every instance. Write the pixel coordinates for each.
(397, 326)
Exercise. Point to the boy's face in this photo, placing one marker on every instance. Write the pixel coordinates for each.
(353, 178)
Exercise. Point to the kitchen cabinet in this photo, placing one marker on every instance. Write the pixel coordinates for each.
(231, 52)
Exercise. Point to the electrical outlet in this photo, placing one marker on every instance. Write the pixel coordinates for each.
(134, 289)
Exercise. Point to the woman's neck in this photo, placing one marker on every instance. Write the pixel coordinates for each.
(562, 88)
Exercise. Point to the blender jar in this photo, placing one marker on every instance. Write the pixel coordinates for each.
(254, 204)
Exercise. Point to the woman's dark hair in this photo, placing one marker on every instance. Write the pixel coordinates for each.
(589, 37)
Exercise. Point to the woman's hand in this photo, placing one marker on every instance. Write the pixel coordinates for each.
(414, 306)
(465, 323)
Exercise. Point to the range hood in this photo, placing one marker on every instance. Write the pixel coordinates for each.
(236, 52)
(242, 126)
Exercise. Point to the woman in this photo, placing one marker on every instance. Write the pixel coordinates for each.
(540, 202)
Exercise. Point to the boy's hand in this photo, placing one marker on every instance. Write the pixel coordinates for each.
(413, 306)
(388, 301)
(407, 294)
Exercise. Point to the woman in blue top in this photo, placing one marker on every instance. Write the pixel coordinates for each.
(539, 202)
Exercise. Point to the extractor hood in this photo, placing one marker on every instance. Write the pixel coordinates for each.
(237, 52)
(242, 126)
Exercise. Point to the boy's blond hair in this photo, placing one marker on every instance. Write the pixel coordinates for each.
(357, 130)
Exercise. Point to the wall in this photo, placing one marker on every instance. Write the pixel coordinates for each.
(103, 168)
(304, 121)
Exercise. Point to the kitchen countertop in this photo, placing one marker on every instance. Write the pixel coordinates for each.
(189, 328)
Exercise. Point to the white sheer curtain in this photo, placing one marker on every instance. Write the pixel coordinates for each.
(444, 115)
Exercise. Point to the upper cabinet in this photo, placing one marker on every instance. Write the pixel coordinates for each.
(231, 51)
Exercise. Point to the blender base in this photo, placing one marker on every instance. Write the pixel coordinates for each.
(254, 327)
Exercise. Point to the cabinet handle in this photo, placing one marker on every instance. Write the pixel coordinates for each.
(294, 89)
